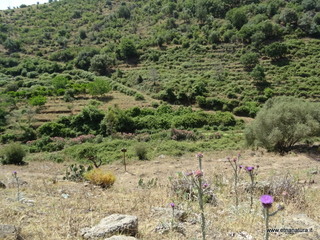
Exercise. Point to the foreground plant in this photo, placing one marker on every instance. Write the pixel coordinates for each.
(197, 179)
(252, 173)
(267, 201)
(200, 156)
(15, 177)
(236, 171)
(172, 219)
(75, 172)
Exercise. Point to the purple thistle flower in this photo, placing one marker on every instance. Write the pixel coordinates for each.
(234, 159)
(172, 205)
(188, 174)
(240, 166)
(205, 185)
(200, 155)
(198, 173)
(266, 201)
(249, 169)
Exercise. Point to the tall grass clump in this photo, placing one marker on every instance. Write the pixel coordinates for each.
(141, 151)
(100, 178)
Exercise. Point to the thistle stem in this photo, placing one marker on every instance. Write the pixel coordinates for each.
(236, 188)
(203, 223)
(266, 219)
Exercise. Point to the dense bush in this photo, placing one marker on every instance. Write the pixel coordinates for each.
(88, 121)
(127, 49)
(54, 129)
(99, 87)
(38, 101)
(249, 59)
(276, 50)
(13, 154)
(283, 122)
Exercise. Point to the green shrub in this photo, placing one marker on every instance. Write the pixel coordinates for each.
(38, 101)
(249, 59)
(141, 151)
(283, 122)
(248, 109)
(8, 137)
(276, 50)
(191, 120)
(13, 154)
(139, 97)
(222, 119)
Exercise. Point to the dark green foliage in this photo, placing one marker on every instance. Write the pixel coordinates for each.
(191, 120)
(88, 121)
(289, 16)
(283, 122)
(116, 120)
(54, 129)
(124, 12)
(13, 154)
(128, 49)
(63, 55)
(101, 64)
(276, 50)
(152, 122)
(46, 144)
(12, 45)
(258, 73)
(83, 59)
(222, 119)
(3, 114)
(8, 137)
(249, 59)
(248, 109)
(237, 17)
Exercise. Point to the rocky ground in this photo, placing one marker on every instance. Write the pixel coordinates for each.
(52, 208)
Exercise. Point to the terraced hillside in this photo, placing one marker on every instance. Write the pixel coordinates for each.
(217, 55)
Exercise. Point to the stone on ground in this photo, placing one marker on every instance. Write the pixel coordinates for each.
(112, 225)
(9, 231)
(121, 237)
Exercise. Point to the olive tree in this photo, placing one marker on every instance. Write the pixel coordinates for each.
(283, 122)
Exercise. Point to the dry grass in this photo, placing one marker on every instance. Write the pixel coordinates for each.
(54, 217)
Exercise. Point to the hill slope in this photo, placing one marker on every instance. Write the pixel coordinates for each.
(219, 54)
